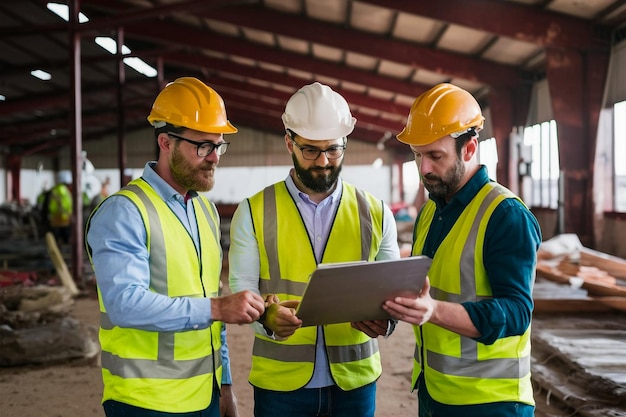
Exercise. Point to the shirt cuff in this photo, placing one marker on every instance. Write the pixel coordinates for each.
(391, 326)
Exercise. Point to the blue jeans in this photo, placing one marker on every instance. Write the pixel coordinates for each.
(316, 402)
(117, 409)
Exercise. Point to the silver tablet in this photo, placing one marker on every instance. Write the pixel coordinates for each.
(355, 291)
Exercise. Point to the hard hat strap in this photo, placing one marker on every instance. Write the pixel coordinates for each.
(470, 131)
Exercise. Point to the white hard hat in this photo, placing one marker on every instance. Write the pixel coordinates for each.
(316, 112)
(64, 177)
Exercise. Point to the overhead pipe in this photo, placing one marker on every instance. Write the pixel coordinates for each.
(121, 114)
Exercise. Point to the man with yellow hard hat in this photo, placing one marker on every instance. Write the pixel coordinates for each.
(472, 318)
(156, 253)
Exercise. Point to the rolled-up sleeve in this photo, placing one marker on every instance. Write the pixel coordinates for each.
(510, 252)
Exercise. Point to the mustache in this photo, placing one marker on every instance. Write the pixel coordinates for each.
(208, 165)
(431, 177)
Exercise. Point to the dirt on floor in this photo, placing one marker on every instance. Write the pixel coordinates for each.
(74, 388)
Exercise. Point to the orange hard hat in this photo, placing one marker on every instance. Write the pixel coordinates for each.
(443, 110)
(188, 102)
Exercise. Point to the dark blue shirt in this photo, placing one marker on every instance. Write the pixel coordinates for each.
(509, 254)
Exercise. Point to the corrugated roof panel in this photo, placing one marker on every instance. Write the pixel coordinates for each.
(463, 40)
(416, 28)
(372, 19)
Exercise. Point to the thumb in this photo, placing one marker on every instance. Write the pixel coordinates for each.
(424, 292)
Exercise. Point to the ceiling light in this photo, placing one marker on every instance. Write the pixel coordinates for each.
(42, 75)
(110, 45)
(2, 98)
(140, 66)
(63, 11)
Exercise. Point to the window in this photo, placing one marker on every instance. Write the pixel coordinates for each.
(619, 154)
(488, 156)
(544, 167)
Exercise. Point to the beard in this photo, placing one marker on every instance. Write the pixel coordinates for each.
(445, 186)
(317, 179)
(197, 178)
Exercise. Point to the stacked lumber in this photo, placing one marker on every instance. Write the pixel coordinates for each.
(586, 273)
(553, 298)
(603, 276)
(579, 331)
(609, 263)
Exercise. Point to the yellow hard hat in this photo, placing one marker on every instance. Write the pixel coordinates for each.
(443, 110)
(188, 102)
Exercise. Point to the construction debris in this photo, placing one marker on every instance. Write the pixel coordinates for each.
(35, 327)
(582, 365)
(579, 331)
(35, 303)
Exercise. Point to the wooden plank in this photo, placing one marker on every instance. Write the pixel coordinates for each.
(593, 287)
(604, 290)
(612, 264)
(618, 303)
(548, 271)
(571, 305)
(60, 265)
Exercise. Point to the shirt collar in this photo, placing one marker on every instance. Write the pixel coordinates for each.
(162, 188)
(301, 196)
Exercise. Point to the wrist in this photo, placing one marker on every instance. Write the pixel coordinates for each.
(263, 319)
(215, 309)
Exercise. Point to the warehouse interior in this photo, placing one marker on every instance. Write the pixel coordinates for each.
(78, 78)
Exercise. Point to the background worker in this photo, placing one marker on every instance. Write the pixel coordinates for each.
(155, 248)
(279, 235)
(59, 207)
(99, 198)
(472, 320)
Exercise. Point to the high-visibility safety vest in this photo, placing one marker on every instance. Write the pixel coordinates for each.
(458, 370)
(60, 206)
(356, 234)
(167, 371)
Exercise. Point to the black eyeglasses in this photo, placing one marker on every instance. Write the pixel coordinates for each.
(311, 153)
(204, 148)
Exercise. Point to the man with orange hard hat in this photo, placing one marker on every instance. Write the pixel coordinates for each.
(472, 317)
(155, 249)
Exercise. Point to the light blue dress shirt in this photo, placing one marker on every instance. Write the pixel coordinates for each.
(244, 260)
(117, 238)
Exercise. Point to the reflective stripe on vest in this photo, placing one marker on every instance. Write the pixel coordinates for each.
(271, 242)
(148, 368)
(353, 356)
(508, 358)
(300, 353)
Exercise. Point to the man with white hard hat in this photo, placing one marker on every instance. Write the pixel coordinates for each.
(279, 236)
